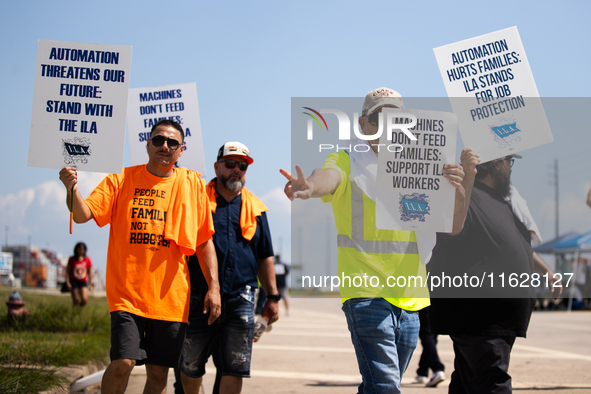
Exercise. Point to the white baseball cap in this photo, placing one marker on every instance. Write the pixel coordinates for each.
(234, 148)
(379, 97)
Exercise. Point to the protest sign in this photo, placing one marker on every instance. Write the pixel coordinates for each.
(412, 193)
(175, 102)
(493, 93)
(5, 263)
(79, 106)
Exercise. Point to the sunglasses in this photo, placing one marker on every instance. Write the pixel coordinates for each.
(510, 160)
(230, 164)
(159, 140)
(373, 118)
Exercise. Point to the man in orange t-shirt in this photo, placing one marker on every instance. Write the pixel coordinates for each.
(159, 214)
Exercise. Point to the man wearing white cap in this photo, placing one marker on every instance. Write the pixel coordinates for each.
(384, 324)
(244, 250)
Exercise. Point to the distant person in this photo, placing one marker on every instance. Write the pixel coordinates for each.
(582, 279)
(159, 215)
(281, 272)
(589, 198)
(79, 275)
(429, 357)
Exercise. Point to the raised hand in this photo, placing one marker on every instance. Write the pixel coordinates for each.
(298, 187)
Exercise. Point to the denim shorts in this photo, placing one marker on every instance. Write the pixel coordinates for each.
(384, 337)
(228, 339)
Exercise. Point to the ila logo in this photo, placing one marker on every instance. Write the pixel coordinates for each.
(414, 207)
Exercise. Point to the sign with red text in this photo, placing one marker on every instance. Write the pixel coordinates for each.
(79, 106)
(174, 102)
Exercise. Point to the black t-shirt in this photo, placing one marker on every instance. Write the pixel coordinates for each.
(494, 246)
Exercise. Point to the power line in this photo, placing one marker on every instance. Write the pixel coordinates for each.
(556, 197)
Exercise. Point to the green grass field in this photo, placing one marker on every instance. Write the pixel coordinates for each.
(54, 335)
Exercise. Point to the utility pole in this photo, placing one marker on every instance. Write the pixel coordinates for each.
(328, 244)
(280, 248)
(300, 262)
(556, 198)
(301, 246)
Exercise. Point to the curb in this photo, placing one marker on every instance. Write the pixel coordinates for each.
(73, 373)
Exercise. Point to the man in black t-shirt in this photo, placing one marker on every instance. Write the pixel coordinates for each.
(483, 319)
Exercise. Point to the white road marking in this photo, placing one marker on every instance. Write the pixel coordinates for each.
(315, 349)
(306, 375)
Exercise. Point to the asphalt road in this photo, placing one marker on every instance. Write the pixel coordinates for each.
(310, 352)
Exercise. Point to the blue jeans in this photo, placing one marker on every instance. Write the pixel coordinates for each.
(384, 337)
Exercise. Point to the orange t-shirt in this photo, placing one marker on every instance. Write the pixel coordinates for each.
(147, 275)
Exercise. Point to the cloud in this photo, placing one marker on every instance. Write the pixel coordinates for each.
(24, 211)
(276, 201)
(87, 181)
(13, 208)
(40, 216)
(51, 195)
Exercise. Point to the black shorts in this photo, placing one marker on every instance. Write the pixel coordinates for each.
(147, 341)
(78, 284)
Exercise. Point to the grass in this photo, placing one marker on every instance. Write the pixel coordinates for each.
(21, 380)
(54, 335)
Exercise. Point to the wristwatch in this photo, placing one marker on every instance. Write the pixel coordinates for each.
(275, 297)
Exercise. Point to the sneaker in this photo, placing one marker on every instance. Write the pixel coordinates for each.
(421, 379)
(436, 378)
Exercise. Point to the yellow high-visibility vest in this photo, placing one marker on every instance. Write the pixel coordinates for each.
(373, 262)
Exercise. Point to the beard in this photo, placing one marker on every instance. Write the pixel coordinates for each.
(231, 184)
(502, 183)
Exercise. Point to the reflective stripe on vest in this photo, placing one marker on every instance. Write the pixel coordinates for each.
(358, 241)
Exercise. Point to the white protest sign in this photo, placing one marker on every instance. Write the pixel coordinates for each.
(412, 193)
(493, 93)
(5, 263)
(175, 102)
(79, 106)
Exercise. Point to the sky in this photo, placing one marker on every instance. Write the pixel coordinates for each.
(248, 59)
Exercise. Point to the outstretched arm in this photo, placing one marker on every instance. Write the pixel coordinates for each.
(462, 178)
(320, 183)
(69, 178)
